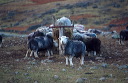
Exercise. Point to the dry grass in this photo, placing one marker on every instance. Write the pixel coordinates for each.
(14, 69)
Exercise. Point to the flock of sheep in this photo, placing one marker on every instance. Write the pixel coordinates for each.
(80, 44)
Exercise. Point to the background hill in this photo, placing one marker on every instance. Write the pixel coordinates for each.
(22, 16)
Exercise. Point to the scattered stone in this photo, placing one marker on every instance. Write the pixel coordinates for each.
(47, 61)
(104, 65)
(28, 77)
(56, 77)
(126, 50)
(36, 82)
(126, 78)
(33, 63)
(17, 60)
(9, 53)
(64, 70)
(80, 68)
(16, 72)
(48, 69)
(100, 58)
(123, 67)
(91, 61)
(26, 74)
(111, 75)
(81, 80)
(28, 68)
(94, 67)
(102, 79)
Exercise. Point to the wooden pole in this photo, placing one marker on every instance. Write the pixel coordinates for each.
(54, 19)
(61, 33)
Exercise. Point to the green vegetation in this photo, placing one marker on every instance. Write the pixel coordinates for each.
(45, 74)
(106, 11)
(5, 1)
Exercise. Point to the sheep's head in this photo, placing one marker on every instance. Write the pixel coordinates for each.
(63, 40)
(55, 43)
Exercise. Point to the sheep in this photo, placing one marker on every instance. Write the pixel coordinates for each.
(79, 27)
(44, 29)
(35, 34)
(70, 49)
(84, 33)
(63, 21)
(123, 36)
(41, 43)
(94, 31)
(31, 36)
(92, 44)
(91, 35)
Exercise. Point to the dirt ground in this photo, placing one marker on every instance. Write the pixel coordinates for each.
(14, 49)
(111, 51)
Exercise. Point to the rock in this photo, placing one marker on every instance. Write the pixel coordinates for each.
(94, 67)
(99, 58)
(126, 78)
(79, 68)
(17, 60)
(56, 77)
(81, 80)
(95, 6)
(33, 63)
(9, 53)
(104, 65)
(16, 72)
(123, 67)
(126, 50)
(47, 61)
(36, 82)
(63, 70)
(26, 74)
(28, 68)
(111, 75)
(102, 79)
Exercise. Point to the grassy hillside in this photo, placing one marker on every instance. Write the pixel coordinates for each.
(91, 13)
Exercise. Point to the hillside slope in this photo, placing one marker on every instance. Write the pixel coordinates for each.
(19, 15)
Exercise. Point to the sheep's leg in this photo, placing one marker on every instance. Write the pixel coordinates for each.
(36, 55)
(31, 53)
(82, 60)
(122, 43)
(51, 52)
(121, 40)
(27, 53)
(48, 54)
(94, 53)
(89, 53)
(66, 60)
(70, 60)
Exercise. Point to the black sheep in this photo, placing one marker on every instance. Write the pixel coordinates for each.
(41, 43)
(92, 44)
(123, 36)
